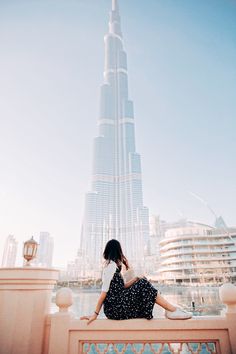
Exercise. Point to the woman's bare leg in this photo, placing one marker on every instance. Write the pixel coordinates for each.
(164, 303)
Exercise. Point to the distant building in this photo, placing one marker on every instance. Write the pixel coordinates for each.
(45, 250)
(157, 228)
(220, 223)
(197, 253)
(9, 253)
(77, 268)
(152, 250)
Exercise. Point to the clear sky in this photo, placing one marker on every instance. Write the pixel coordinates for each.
(182, 78)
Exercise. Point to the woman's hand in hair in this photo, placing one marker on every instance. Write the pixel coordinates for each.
(89, 318)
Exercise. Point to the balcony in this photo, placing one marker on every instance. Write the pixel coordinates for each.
(196, 251)
(195, 243)
(219, 269)
(196, 236)
(197, 258)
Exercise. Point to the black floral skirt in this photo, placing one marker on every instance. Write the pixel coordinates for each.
(137, 301)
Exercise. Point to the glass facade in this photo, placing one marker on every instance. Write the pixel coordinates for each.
(114, 208)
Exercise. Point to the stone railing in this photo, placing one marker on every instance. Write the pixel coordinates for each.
(26, 327)
(211, 334)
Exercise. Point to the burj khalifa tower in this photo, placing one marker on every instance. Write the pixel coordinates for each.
(114, 206)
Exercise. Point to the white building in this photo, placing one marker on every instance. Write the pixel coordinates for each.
(197, 253)
(9, 253)
(45, 250)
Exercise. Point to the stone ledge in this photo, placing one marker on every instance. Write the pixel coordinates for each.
(204, 322)
(27, 278)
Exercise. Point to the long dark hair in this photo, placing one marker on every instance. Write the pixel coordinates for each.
(113, 252)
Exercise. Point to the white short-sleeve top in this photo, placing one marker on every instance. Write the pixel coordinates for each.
(108, 273)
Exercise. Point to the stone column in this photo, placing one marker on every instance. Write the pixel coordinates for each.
(25, 297)
(60, 323)
(228, 297)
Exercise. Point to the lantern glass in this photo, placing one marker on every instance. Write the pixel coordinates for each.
(30, 250)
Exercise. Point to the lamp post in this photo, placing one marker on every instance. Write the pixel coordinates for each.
(30, 250)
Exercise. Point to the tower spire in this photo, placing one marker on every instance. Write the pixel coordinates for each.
(114, 24)
(115, 5)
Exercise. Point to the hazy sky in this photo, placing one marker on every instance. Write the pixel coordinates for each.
(182, 78)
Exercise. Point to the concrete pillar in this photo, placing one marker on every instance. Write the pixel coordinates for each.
(228, 297)
(60, 323)
(25, 297)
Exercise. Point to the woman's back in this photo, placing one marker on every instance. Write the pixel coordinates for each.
(122, 303)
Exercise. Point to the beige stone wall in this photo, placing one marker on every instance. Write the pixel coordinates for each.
(25, 296)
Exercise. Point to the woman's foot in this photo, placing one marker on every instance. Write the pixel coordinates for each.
(178, 314)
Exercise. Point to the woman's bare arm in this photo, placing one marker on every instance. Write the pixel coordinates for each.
(101, 300)
(93, 317)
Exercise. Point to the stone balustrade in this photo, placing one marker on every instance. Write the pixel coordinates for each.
(209, 334)
(27, 327)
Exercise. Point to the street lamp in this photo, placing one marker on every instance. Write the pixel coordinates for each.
(30, 250)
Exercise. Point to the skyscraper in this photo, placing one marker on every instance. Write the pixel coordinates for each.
(114, 207)
(45, 250)
(9, 253)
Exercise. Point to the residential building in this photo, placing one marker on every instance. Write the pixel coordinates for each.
(197, 253)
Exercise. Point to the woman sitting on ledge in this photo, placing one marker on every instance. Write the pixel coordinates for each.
(133, 299)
